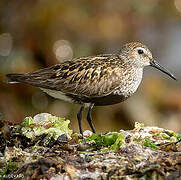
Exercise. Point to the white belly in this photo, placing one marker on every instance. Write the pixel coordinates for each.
(57, 94)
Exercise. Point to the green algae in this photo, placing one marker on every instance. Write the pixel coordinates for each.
(45, 124)
(150, 144)
(107, 142)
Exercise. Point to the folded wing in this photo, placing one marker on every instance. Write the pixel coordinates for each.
(83, 78)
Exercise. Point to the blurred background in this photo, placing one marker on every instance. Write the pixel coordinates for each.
(39, 33)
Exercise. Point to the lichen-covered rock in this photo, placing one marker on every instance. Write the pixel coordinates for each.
(44, 147)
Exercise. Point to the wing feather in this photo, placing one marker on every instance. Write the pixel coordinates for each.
(90, 77)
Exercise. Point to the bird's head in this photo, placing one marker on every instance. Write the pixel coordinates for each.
(140, 56)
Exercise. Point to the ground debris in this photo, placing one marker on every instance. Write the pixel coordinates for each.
(141, 153)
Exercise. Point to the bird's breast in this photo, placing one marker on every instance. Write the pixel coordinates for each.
(130, 82)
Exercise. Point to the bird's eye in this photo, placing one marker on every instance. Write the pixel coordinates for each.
(140, 51)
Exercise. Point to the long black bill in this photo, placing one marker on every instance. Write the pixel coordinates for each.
(155, 64)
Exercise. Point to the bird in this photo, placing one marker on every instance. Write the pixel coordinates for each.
(100, 80)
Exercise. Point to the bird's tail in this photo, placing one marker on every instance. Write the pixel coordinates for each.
(15, 78)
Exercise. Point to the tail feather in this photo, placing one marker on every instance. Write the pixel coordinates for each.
(15, 78)
(27, 79)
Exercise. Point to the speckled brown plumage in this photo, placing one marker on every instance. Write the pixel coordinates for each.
(95, 80)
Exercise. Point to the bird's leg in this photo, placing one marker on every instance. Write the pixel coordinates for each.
(79, 117)
(89, 119)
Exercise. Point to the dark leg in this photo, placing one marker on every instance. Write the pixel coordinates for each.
(89, 119)
(79, 117)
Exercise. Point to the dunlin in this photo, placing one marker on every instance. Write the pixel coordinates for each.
(100, 80)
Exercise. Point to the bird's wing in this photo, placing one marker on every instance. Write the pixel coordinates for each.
(84, 77)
